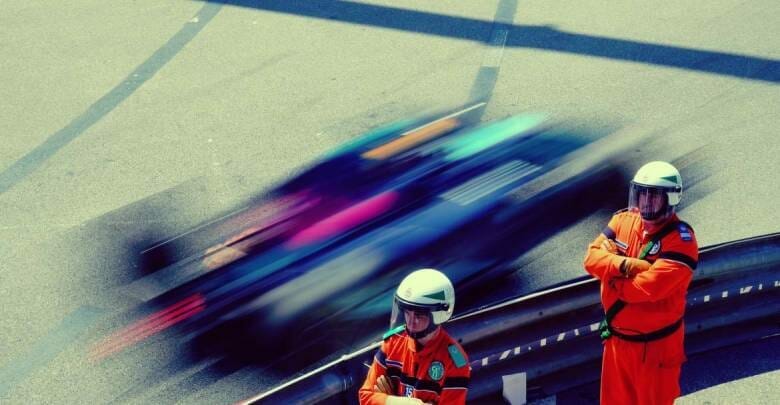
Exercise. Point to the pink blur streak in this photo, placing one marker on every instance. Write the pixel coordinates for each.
(344, 220)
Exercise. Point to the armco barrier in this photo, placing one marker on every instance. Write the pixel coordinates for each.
(554, 330)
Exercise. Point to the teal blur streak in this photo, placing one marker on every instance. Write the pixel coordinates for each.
(370, 137)
(490, 135)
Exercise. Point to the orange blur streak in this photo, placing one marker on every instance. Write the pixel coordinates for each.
(410, 139)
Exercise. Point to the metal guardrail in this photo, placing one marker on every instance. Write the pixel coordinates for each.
(749, 299)
(554, 330)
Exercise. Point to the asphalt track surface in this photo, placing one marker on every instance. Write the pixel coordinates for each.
(127, 121)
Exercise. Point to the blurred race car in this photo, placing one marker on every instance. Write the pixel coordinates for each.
(317, 261)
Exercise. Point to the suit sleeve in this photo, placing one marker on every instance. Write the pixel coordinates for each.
(673, 269)
(366, 394)
(455, 385)
(600, 263)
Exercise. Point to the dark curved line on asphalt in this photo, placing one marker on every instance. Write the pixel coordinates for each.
(35, 158)
(525, 36)
(70, 329)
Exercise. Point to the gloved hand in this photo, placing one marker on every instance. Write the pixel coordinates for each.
(394, 400)
(610, 246)
(384, 385)
(630, 266)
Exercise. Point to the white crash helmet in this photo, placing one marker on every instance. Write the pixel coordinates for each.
(656, 177)
(428, 291)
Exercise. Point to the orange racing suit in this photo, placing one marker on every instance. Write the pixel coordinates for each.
(437, 373)
(637, 371)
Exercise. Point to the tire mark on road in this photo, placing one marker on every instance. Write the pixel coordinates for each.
(38, 156)
(68, 331)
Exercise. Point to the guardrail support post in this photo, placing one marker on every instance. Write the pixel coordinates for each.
(515, 388)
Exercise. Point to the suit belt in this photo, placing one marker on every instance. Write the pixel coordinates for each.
(649, 337)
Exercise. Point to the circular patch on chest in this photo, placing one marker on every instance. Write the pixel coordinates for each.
(655, 248)
(436, 371)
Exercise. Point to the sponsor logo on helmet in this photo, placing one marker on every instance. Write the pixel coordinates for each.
(673, 178)
(439, 295)
(436, 371)
(408, 293)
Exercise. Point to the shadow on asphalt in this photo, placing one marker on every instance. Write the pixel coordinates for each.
(543, 37)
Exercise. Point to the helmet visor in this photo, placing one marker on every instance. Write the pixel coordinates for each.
(417, 319)
(650, 202)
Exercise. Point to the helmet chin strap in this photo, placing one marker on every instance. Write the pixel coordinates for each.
(653, 225)
(423, 333)
(659, 215)
(653, 216)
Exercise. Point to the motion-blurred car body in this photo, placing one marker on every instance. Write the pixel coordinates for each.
(320, 256)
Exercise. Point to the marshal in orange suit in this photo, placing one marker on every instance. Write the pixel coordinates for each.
(645, 258)
(418, 362)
